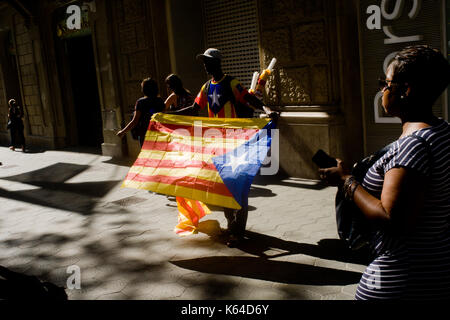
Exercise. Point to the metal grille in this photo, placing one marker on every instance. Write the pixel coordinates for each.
(232, 27)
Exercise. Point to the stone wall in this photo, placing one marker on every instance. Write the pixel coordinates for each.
(31, 91)
(314, 45)
(141, 51)
(3, 107)
(296, 33)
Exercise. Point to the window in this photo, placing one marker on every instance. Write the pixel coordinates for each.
(232, 27)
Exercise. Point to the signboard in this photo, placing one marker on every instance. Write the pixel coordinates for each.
(386, 27)
(74, 22)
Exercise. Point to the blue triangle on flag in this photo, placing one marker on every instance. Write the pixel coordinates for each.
(239, 167)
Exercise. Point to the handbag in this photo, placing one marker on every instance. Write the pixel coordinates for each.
(8, 126)
(352, 225)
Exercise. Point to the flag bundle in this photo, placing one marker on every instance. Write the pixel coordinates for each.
(212, 160)
(189, 214)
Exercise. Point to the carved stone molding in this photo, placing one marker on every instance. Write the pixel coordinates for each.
(296, 33)
(294, 86)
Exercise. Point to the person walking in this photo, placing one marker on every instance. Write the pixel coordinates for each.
(224, 97)
(179, 97)
(15, 125)
(144, 109)
(405, 195)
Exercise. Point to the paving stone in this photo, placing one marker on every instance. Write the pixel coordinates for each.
(128, 250)
(296, 292)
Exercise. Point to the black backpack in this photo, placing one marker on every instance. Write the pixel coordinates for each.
(352, 225)
(242, 110)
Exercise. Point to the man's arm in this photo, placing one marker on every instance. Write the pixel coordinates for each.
(254, 101)
(199, 103)
(188, 111)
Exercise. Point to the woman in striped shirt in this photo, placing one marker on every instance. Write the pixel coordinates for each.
(406, 193)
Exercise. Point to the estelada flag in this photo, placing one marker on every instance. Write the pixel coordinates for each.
(212, 160)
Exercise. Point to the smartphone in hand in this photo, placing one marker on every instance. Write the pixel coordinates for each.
(323, 160)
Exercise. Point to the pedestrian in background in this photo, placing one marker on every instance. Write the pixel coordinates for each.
(405, 195)
(144, 109)
(179, 97)
(15, 125)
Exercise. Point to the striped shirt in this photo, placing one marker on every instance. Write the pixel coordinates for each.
(415, 265)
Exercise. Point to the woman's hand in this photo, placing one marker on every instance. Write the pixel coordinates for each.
(335, 176)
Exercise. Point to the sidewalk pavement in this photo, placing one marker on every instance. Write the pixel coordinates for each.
(66, 208)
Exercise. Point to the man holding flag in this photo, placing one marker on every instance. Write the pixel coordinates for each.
(225, 97)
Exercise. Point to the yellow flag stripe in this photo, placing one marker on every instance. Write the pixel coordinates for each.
(232, 123)
(217, 141)
(175, 155)
(190, 193)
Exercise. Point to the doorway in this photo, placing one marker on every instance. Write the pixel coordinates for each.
(84, 87)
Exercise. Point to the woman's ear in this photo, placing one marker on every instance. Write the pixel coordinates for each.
(406, 92)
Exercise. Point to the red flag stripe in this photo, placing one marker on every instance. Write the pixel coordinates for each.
(188, 182)
(193, 215)
(200, 208)
(226, 133)
(155, 163)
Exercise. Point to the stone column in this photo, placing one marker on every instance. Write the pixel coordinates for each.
(105, 52)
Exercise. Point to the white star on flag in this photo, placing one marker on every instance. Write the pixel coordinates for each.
(215, 97)
(235, 162)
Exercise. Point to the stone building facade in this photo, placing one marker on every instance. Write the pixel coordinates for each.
(316, 84)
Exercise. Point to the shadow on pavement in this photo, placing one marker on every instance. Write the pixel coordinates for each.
(284, 180)
(276, 271)
(34, 150)
(329, 249)
(17, 286)
(261, 267)
(260, 192)
(123, 162)
(55, 192)
(258, 244)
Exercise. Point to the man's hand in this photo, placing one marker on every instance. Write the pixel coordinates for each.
(271, 114)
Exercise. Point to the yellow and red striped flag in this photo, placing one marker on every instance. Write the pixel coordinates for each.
(189, 214)
(212, 160)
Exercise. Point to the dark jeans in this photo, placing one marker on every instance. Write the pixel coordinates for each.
(237, 220)
(17, 136)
